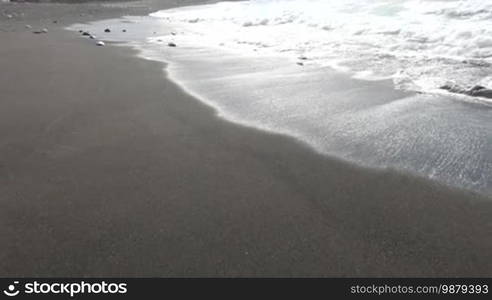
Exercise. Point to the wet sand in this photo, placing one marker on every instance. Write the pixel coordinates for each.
(109, 169)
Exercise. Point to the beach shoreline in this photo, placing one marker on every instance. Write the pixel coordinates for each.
(109, 169)
(370, 122)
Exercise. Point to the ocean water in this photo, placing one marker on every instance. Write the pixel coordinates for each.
(420, 45)
(357, 80)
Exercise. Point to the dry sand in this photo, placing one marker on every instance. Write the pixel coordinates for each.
(108, 169)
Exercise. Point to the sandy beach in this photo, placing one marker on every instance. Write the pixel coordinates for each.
(108, 169)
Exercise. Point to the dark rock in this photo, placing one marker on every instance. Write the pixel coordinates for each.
(44, 30)
(477, 88)
(171, 44)
(451, 88)
(107, 30)
(480, 91)
(85, 33)
(475, 91)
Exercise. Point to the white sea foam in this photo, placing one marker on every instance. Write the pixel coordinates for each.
(420, 44)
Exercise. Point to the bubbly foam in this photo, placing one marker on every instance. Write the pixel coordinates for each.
(421, 45)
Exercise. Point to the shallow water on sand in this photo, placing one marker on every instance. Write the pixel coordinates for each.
(368, 122)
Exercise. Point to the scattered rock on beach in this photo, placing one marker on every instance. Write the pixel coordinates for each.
(44, 30)
(92, 37)
(124, 30)
(85, 33)
(28, 26)
(100, 43)
(107, 30)
(171, 44)
(300, 63)
(302, 57)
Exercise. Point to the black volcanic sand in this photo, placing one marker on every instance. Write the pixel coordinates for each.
(108, 169)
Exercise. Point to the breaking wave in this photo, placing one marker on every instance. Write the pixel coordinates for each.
(420, 45)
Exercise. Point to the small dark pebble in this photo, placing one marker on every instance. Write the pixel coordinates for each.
(85, 33)
(124, 30)
(300, 64)
(107, 30)
(171, 44)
